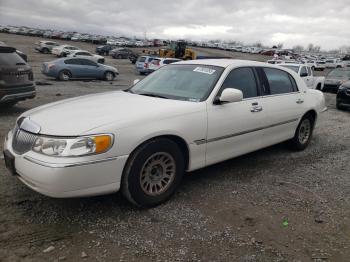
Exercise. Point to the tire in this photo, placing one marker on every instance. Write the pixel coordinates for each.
(64, 75)
(313, 68)
(144, 181)
(318, 87)
(303, 133)
(8, 104)
(339, 107)
(119, 57)
(101, 61)
(109, 76)
(46, 50)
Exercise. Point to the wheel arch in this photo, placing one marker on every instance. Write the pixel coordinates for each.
(313, 114)
(175, 138)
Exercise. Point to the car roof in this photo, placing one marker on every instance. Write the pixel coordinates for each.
(80, 50)
(293, 64)
(223, 62)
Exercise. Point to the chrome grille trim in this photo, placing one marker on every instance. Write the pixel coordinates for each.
(22, 141)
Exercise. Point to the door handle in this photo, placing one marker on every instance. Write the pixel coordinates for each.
(256, 109)
(300, 101)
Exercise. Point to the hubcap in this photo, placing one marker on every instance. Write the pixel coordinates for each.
(304, 131)
(157, 173)
(109, 76)
(65, 76)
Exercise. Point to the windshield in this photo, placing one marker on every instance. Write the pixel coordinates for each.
(339, 73)
(180, 82)
(294, 68)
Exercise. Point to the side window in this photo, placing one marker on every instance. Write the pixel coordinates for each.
(88, 62)
(242, 79)
(70, 62)
(303, 71)
(280, 82)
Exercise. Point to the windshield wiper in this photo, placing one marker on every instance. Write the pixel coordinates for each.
(129, 91)
(153, 95)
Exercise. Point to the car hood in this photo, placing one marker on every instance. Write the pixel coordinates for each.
(81, 115)
(334, 79)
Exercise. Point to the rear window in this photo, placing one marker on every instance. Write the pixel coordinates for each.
(141, 59)
(11, 59)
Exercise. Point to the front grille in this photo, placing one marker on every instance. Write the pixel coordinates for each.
(22, 141)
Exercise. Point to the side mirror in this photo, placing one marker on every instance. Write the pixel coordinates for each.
(136, 81)
(229, 95)
(303, 74)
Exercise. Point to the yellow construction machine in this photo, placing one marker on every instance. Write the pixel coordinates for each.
(177, 49)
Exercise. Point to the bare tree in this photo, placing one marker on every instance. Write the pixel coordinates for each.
(298, 48)
(310, 47)
(280, 45)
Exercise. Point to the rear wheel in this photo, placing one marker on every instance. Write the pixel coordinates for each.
(303, 134)
(109, 76)
(153, 173)
(64, 75)
(45, 50)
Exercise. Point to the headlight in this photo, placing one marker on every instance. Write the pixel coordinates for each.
(341, 87)
(72, 147)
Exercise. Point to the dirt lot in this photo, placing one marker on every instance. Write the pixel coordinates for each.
(271, 205)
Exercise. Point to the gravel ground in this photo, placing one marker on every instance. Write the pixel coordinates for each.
(271, 205)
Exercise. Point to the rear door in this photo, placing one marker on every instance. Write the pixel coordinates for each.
(283, 104)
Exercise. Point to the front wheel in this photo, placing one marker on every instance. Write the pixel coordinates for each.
(153, 173)
(64, 75)
(303, 134)
(109, 76)
(339, 107)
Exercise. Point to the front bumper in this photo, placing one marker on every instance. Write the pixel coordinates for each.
(69, 177)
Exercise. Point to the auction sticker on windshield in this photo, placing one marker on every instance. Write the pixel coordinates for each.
(204, 70)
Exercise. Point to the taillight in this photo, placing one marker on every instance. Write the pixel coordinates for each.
(146, 65)
(157, 62)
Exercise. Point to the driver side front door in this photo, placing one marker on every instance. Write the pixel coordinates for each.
(236, 128)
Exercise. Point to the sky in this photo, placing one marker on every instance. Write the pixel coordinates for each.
(296, 22)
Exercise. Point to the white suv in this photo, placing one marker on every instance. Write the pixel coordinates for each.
(63, 50)
(160, 62)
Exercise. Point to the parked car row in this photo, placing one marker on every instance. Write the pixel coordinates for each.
(82, 37)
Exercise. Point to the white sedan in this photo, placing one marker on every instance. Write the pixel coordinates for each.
(63, 50)
(87, 55)
(182, 117)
